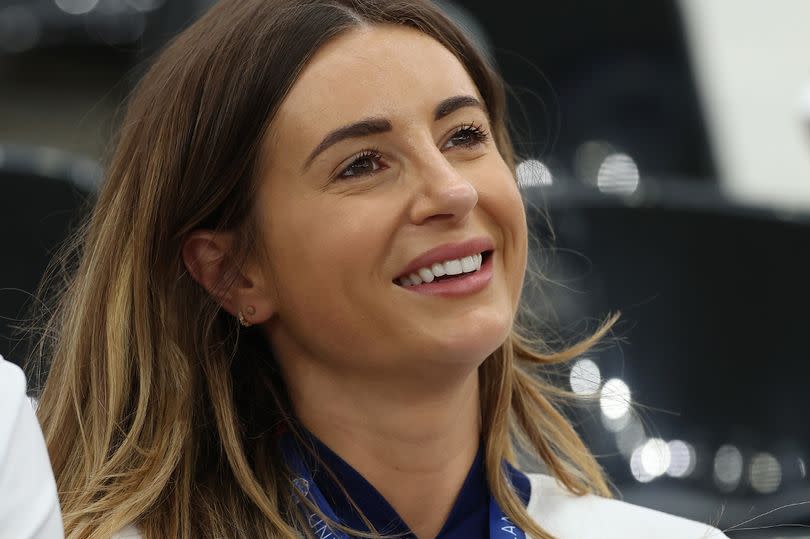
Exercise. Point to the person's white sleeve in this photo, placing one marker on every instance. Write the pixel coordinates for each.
(29, 505)
(566, 516)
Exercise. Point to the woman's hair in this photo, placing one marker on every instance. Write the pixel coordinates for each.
(158, 409)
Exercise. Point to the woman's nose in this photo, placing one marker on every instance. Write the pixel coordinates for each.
(443, 194)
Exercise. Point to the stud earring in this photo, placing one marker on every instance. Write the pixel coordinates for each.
(250, 311)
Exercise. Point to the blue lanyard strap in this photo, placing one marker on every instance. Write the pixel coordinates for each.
(304, 486)
(500, 526)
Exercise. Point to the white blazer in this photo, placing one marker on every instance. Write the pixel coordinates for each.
(29, 506)
(588, 517)
(591, 517)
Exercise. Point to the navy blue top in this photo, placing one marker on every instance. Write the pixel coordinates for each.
(468, 519)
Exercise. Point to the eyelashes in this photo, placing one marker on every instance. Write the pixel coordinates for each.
(368, 161)
(475, 133)
(362, 164)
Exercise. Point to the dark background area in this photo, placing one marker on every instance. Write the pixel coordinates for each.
(589, 70)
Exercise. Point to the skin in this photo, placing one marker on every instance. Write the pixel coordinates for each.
(386, 377)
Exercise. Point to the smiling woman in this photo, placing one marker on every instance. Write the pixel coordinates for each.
(294, 305)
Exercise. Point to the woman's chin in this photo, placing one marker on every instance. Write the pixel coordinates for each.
(470, 343)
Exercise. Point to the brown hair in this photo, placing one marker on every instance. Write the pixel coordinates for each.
(151, 419)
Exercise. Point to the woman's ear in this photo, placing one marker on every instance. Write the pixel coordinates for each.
(209, 258)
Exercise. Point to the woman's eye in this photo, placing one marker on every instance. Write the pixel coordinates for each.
(468, 136)
(366, 163)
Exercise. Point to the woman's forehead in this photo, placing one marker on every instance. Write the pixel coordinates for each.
(374, 71)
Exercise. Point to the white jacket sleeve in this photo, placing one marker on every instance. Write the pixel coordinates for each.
(590, 517)
(29, 506)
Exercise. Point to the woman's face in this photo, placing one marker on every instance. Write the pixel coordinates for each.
(380, 163)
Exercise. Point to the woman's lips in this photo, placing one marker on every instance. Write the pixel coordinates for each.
(458, 285)
(448, 251)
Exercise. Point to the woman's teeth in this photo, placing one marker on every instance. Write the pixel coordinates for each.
(457, 266)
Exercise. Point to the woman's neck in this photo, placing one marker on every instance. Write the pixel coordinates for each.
(415, 448)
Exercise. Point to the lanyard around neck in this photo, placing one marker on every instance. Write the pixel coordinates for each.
(500, 526)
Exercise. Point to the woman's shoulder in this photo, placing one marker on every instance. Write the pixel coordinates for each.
(592, 517)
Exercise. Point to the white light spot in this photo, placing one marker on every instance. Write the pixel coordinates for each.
(631, 437)
(532, 172)
(637, 466)
(728, 467)
(765, 473)
(618, 175)
(585, 377)
(802, 468)
(655, 457)
(76, 7)
(682, 459)
(615, 399)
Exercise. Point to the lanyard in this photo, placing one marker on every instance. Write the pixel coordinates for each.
(500, 526)
(304, 486)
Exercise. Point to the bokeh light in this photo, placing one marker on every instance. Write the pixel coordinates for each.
(618, 175)
(637, 468)
(655, 457)
(533, 173)
(585, 377)
(615, 399)
(765, 473)
(728, 467)
(683, 459)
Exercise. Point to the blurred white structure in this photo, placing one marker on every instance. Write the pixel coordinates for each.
(752, 62)
(804, 109)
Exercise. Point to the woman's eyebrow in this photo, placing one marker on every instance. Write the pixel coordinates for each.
(452, 104)
(369, 126)
(373, 126)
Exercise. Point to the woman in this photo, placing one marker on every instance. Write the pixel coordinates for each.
(294, 306)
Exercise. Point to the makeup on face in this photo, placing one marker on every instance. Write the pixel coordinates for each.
(397, 225)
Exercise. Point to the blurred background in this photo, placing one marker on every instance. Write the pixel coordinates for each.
(665, 163)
